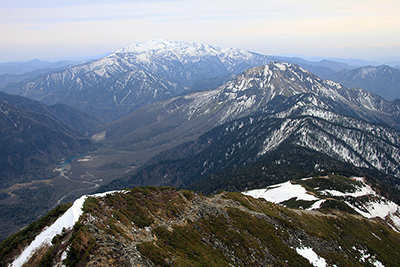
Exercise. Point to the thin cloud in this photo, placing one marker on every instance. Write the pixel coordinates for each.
(225, 23)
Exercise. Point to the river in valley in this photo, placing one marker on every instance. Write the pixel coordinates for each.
(91, 185)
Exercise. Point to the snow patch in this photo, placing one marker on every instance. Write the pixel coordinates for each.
(376, 206)
(311, 256)
(282, 192)
(316, 205)
(99, 136)
(367, 258)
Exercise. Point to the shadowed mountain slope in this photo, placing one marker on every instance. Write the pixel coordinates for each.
(68, 115)
(31, 143)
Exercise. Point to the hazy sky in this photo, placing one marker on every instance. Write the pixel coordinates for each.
(46, 29)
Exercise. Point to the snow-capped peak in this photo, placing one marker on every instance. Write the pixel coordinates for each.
(161, 45)
(188, 49)
(223, 60)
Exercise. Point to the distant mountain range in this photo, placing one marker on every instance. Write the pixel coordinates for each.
(381, 80)
(257, 90)
(115, 81)
(19, 79)
(143, 73)
(33, 65)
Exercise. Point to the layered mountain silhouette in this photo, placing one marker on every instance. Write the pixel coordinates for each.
(257, 90)
(136, 75)
(68, 115)
(299, 112)
(382, 80)
(144, 73)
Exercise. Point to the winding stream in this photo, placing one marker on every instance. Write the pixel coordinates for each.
(63, 164)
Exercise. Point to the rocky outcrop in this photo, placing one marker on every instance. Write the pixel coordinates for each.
(162, 226)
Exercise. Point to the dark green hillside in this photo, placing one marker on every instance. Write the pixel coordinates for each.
(68, 115)
(32, 145)
(30, 142)
(288, 163)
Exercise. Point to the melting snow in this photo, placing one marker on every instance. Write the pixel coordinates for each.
(377, 206)
(281, 66)
(361, 191)
(281, 192)
(312, 257)
(67, 220)
(365, 257)
(316, 205)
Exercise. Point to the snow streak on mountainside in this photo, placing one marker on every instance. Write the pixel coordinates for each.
(345, 138)
(350, 140)
(106, 89)
(252, 90)
(65, 222)
(271, 88)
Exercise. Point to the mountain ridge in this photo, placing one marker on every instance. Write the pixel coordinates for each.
(180, 63)
(382, 80)
(163, 226)
(248, 93)
(250, 139)
(68, 115)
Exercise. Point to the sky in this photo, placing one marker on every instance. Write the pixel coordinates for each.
(71, 29)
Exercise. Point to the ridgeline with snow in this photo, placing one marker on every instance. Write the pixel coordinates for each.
(152, 226)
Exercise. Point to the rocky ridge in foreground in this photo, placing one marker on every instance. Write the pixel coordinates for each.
(162, 226)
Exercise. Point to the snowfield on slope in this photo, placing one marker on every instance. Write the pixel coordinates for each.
(377, 206)
(282, 192)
